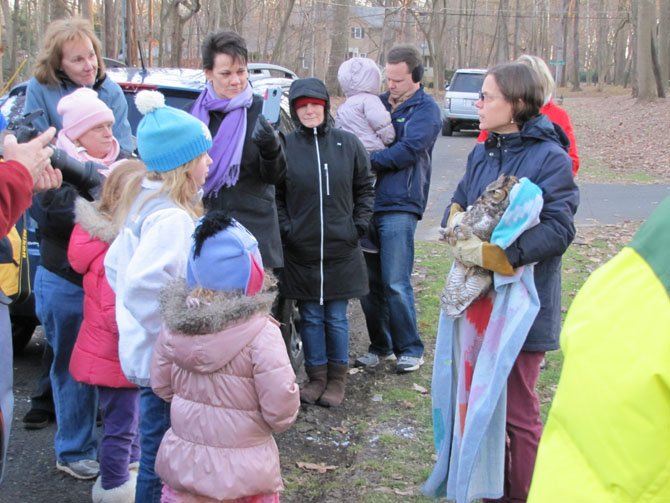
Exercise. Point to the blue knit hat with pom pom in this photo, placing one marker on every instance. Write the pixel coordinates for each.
(167, 137)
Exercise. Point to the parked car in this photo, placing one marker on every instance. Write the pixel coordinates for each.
(180, 86)
(459, 110)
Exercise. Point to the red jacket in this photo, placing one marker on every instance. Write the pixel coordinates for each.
(559, 116)
(95, 357)
(16, 193)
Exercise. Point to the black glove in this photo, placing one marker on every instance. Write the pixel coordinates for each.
(265, 138)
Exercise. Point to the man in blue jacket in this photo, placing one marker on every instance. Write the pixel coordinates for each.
(401, 192)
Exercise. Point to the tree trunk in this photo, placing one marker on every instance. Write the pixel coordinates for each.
(664, 41)
(131, 32)
(645, 32)
(561, 41)
(515, 36)
(338, 46)
(620, 44)
(503, 35)
(58, 10)
(111, 47)
(602, 53)
(279, 45)
(575, 47)
(86, 7)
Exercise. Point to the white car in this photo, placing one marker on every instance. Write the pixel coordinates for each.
(459, 111)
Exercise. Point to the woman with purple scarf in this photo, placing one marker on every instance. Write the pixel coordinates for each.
(246, 152)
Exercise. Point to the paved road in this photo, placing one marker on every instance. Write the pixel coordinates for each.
(600, 203)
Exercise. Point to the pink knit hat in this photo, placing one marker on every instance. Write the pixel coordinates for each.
(83, 110)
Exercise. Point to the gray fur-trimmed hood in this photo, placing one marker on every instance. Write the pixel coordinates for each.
(224, 309)
(92, 221)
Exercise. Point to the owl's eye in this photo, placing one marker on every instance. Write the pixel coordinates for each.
(499, 194)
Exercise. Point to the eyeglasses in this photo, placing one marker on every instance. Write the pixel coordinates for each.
(487, 98)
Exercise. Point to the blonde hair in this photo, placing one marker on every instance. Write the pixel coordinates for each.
(178, 186)
(544, 74)
(127, 173)
(50, 56)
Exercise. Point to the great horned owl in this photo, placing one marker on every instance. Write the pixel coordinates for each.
(466, 284)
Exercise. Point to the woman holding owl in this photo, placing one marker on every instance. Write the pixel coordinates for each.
(523, 143)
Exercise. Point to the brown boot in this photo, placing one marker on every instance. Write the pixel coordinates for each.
(311, 391)
(337, 378)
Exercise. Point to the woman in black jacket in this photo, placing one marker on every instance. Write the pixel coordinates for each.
(324, 206)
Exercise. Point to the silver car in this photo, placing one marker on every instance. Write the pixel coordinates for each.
(459, 110)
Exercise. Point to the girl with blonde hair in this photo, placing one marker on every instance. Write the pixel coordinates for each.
(95, 357)
(158, 214)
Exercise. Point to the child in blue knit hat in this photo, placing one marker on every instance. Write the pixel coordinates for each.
(222, 363)
(157, 217)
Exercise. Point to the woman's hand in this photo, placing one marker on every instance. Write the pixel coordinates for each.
(265, 138)
(474, 251)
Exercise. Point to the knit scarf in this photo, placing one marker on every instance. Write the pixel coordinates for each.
(227, 145)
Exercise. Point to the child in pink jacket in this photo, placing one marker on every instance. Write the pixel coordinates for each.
(95, 357)
(221, 361)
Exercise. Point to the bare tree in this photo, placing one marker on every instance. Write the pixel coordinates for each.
(561, 42)
(503, 36)
(110, 39)
(338, 46)
(279, 44)
(86, 9)
(179, 11)
(664, 41)
(131, 33)
(575, 47)
(58, 9)
(645, 32)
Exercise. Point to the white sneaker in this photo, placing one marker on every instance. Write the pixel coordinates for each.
(371, 360)
(84, 469)
(408, 364)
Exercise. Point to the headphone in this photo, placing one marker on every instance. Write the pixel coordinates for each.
(417, 74)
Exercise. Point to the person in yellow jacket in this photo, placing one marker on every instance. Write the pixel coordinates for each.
(607, 437)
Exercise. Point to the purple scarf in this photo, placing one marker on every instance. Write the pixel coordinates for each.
(227, 145)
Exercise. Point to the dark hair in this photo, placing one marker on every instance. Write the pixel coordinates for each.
(521, 87)
(223, 42)
(405, 53)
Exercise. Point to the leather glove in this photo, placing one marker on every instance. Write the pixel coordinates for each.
(456, 214)
(265, 138)
(474, 251)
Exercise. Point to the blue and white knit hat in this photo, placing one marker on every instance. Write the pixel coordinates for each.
(167, 137)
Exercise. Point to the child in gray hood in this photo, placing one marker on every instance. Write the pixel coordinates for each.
(363, 112)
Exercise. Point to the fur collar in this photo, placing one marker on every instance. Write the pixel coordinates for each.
(92, 221)
(215, 315)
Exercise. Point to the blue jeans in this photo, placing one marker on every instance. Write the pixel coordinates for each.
(154, 422)
(389, 308)
(59, 305)
(325, 332)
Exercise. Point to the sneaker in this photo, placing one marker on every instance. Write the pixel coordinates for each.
(84, 469)
(36, 419)
(408, 364)
(371, 360)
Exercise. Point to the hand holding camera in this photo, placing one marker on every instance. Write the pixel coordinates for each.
(83, 175)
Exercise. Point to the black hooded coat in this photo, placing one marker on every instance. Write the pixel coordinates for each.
(324, 206)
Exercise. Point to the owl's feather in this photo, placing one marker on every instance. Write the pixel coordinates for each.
(465, 284)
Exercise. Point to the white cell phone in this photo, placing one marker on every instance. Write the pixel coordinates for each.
(271, 103)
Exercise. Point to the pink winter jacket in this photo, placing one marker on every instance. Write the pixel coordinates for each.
(95, 357)
(223, 365)
(363, 113)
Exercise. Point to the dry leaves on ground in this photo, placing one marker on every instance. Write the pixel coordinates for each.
(621, 133)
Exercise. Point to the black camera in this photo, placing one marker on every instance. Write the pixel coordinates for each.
(83, 175)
